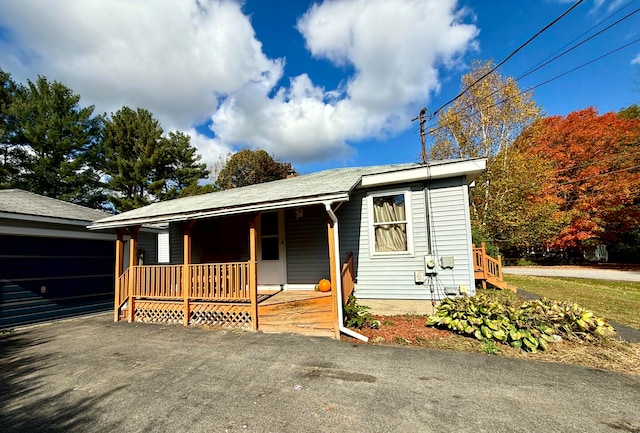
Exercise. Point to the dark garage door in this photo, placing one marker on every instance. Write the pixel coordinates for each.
(45, 278)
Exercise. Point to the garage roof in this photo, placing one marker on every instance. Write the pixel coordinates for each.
(29, 206)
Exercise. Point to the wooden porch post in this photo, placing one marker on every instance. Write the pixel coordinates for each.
(186, 270)
(133, 249)
(118, 273)
(333, 277)
(253, 270)
(485, 266)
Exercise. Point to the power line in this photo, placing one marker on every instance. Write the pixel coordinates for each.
(546, 61)
(539, 66)
(635, 41)
(530, 89)
(587, 31)
(513, 53)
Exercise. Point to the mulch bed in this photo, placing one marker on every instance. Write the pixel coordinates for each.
(404, 330)
(410, 331)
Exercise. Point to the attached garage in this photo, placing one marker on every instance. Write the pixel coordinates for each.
(51, 266)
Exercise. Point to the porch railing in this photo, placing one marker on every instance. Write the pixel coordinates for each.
(214, 282)
(347, 276)
(488, 269)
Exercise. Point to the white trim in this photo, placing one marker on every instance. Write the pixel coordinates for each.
(51, 233)
(44, 219)
(299, 286)
(282, 252)
(408, 197)
(471, 169)
(219, 212)
(469, 236)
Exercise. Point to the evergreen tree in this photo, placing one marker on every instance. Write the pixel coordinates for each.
(10, 154)
(144, 166)
(52, 142)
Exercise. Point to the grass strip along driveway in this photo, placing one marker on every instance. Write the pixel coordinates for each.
(616, 300)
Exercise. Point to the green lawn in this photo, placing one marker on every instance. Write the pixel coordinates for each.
(614, 300)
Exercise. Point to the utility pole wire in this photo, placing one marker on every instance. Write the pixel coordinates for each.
(507, 58)
(438, 127)
(422, 136)
(531, 71)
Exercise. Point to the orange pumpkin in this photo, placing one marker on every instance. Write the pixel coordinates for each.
(324, 285)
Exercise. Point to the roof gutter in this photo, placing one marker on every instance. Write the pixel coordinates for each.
(336, 242)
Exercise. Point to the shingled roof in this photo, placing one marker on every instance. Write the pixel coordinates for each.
(321, 187)
(27, 205)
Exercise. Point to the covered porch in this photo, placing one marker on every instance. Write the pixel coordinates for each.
(226, 293)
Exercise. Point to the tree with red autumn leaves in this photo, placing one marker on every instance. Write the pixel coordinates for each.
(596, 173)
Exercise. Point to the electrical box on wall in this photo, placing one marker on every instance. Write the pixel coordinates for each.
(451, 290)
(419, 277)
(446, 262)
(430, 265)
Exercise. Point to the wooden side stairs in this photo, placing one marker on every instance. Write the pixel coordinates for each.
(489, 270)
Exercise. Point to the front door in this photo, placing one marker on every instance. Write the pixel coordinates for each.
(271, 249)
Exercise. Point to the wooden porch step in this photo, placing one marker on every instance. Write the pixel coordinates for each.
(501, 284)
(304, 316)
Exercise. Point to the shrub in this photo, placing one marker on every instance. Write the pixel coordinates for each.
(358, 316)
(528, 326)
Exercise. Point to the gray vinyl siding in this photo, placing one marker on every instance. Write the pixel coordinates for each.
(175, 243)
(307, 245)
(392, 277)
(149, 243)
(451, 230)
(224, 239)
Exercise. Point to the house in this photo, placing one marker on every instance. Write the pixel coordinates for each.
(397, 235)
(51, 266)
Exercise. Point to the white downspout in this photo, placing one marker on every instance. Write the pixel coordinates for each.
(336, 241)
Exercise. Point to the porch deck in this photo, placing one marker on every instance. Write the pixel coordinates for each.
(304, 312)
(226, 295)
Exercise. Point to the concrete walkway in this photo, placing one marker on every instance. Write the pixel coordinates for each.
(93, 375)
(574, 272)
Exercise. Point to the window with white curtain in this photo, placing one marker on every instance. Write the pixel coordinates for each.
(390, 228)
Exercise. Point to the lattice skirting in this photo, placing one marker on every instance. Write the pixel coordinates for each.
(226, 315)
(158, 312)
(205, 313)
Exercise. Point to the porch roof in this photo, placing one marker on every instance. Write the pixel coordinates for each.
(316, 188)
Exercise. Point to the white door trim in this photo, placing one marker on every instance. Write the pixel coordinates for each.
(273, 273)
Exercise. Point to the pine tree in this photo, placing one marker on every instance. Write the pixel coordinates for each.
(53, 142)
(144, 166)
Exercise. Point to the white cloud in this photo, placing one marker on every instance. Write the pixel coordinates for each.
(395, 48)
(172, 57)
(187, 61)
(212, 150)
(636, 60)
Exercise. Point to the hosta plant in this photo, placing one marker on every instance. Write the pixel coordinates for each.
(358, 316)
(529, 326)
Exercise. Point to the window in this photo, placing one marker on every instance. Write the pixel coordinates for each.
(269, 236)
(390, 223)
(163, 248)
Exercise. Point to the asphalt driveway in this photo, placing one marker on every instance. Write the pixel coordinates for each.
(93, 375)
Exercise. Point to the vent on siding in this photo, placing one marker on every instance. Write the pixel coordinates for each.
(163, 248)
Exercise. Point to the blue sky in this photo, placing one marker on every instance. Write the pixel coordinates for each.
(321, 84)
